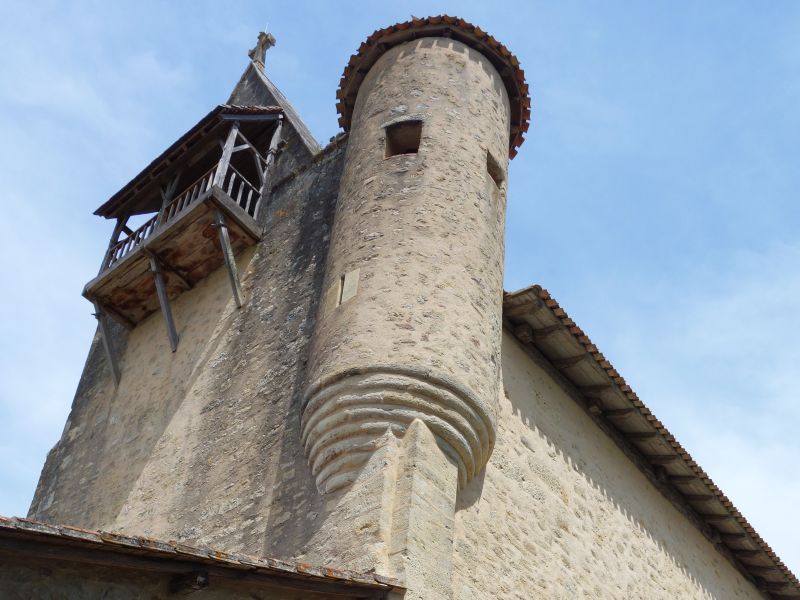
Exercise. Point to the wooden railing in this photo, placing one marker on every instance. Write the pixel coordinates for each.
(243, 193)
(123, 247)
(188, 197)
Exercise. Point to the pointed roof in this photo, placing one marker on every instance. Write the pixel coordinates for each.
(254, 87)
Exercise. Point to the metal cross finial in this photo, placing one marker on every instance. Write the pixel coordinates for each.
(259, 52)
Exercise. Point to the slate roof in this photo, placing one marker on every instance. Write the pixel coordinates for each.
(541, 325)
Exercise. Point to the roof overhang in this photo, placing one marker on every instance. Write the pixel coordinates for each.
(545, 329)
(26, 539)
(206, 131)
(382, 40)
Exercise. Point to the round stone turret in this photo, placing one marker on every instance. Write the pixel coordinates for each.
(410, 325)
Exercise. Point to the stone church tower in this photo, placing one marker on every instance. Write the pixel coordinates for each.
(306, 353)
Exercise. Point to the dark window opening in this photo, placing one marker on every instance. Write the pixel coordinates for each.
(494, 170)
(403, 138)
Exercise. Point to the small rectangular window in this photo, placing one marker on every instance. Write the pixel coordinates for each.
(494, 170)
(403, 138)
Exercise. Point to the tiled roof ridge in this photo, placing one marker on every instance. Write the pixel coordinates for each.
(552, 304)
(249, 108)
(504, 60)
(174, 549)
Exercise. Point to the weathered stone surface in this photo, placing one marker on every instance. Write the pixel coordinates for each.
(399, 392)
(203, 445)
(561, 512)
(420, 338)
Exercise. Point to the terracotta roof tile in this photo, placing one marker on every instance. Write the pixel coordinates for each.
(383, 39)
(784, 581)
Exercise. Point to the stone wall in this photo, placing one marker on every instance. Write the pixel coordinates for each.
(420, 236)
(561, 512)
(203, 445)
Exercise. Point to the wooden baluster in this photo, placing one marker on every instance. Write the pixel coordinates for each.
(239, 194)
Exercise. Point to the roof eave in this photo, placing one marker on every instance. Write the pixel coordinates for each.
(112, 207)
(538, 322)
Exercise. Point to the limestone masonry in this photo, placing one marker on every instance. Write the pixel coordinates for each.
(305, 354)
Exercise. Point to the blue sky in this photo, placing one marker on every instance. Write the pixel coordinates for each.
(656, 195)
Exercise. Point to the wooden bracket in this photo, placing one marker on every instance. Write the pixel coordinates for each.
(163, 300)
(109, 350)
(230, 259)
(167, 267)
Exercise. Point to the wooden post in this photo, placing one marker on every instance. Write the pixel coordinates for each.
(230, 260)
(273, 148)
(163, 300)
(165, 266)
(166, 196)
(112, 363)
(227, 150)
(120, 225)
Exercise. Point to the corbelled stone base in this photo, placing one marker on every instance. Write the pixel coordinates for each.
(345, 416)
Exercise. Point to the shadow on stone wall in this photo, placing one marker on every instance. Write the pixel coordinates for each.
(555, 488)
(293, 505)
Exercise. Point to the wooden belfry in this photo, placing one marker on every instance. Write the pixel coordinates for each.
(204, 193)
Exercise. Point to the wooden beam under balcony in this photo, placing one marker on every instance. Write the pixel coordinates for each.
(106, 340)
(163, 301)
(186, 245)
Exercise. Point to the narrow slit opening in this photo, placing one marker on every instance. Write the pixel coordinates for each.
(403, 138)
